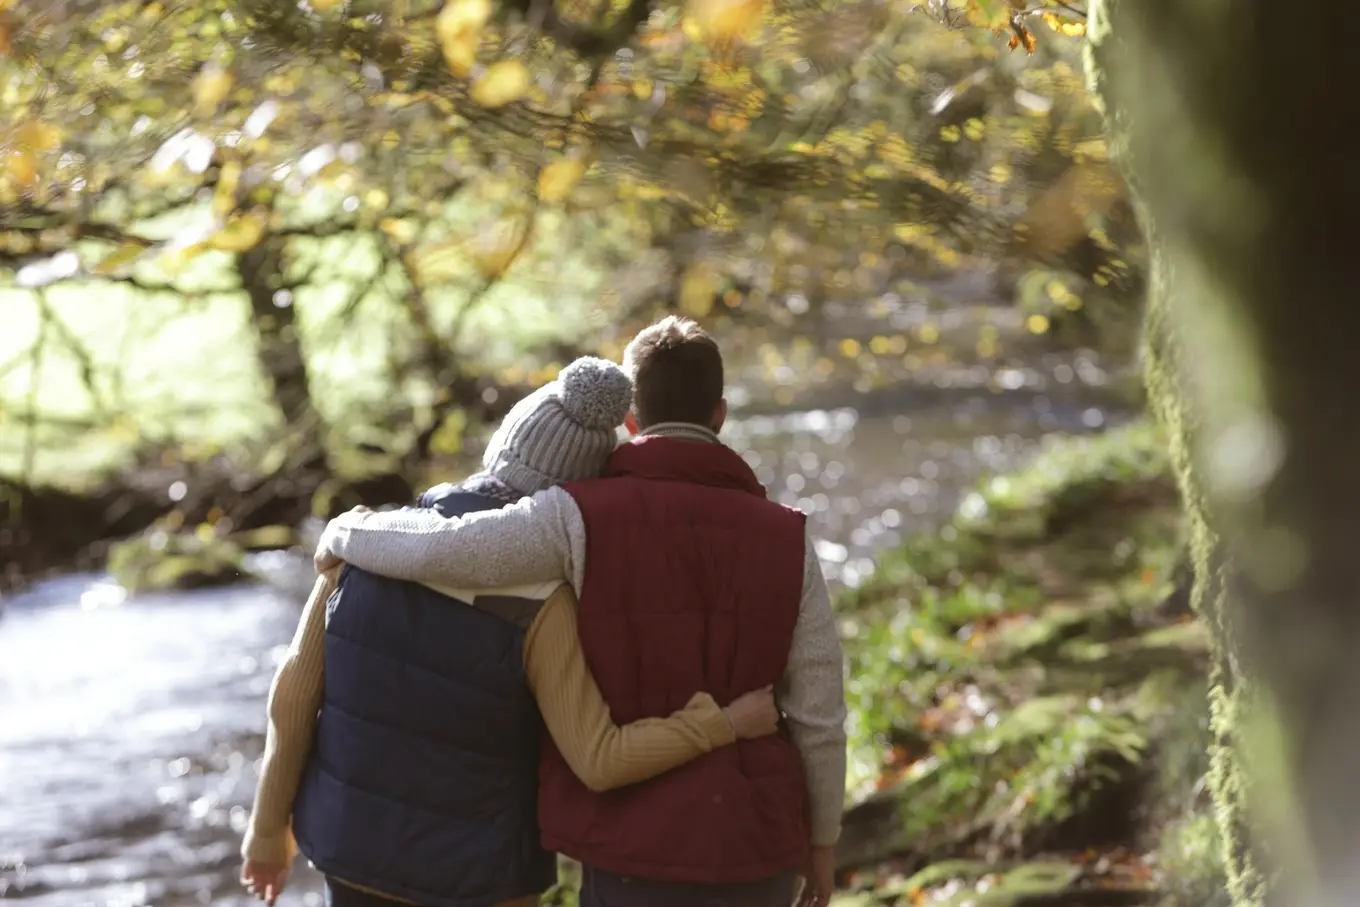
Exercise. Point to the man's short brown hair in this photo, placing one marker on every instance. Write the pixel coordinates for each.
(677, 373)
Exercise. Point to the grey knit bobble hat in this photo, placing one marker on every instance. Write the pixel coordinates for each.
(563, 431)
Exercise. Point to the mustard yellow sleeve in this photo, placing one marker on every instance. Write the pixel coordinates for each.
(602, 754)
(294, 701)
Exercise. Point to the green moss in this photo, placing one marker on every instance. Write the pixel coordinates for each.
(158, 560)
(1190, 865)
(1228, 783)
(1108, 59)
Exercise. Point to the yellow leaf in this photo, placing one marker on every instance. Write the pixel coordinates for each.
(224, 196)
(556, 180)
(459, 30)
(175, 258)
(723, 20)
(437, 262)
(911, 233)
(323, 6)
(1066, 27)
(402, 231)
(35, 136)
(988, 13)
(503, 82)
(211, 87)
(698, 287)
(240, 234)
(119, 258)
(21, 170)
(496, 250)
(376, 199)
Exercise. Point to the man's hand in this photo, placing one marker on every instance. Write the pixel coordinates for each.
(264, 880)
(324, 560)
(819, 878)
(753, 714)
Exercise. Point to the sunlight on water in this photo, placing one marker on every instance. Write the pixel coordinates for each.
(128, 745)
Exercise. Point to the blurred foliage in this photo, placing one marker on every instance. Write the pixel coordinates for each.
(766, 132)
(156, 561)
(478, 181)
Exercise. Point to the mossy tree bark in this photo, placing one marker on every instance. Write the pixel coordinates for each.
(1234, 121)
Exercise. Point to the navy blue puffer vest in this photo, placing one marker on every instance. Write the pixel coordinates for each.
(423, 782)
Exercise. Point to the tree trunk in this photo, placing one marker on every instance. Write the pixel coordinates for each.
(1234, 122)
(279, 346)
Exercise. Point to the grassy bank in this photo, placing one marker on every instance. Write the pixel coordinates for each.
(1027, 696)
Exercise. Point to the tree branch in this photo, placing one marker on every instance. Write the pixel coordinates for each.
(593, 43)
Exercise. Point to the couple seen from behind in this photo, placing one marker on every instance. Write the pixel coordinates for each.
(644, 603)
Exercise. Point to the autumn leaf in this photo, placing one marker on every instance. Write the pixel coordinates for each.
(503, 82)
(988, 13)
(211, 87)
(20, 169)
(402, 232)
(556, 180)
(224, 196)
(1022, 37)
(240, 234)
(1057, 220)
(177, 256)
(911, 233)
(698, 288)
(722, 21)
(496, 250)
(436, 262)
(1066, 27)
(459, 30)
(35, 136)
(119, 259)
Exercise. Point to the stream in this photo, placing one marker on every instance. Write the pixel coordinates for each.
(132, 727)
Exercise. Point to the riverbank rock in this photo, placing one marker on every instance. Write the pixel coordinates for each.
(1020, 693)
(157, 560)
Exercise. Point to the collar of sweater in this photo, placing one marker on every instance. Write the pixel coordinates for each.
(687, 431)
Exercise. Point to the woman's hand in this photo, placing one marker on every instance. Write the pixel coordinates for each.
(264, 880)
(753, 714)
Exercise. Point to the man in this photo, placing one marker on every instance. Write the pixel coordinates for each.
(689, 579)
(403, 737)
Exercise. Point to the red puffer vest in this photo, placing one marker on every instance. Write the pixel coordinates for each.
(693, 582)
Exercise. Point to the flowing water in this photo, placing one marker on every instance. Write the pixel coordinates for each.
(132, 727)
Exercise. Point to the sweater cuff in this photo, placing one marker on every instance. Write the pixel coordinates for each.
(272, 848)
(712, 720)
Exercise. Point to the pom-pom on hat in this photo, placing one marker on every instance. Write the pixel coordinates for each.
(564, 431)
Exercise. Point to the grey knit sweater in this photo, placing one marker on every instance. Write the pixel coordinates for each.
(543, 538)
